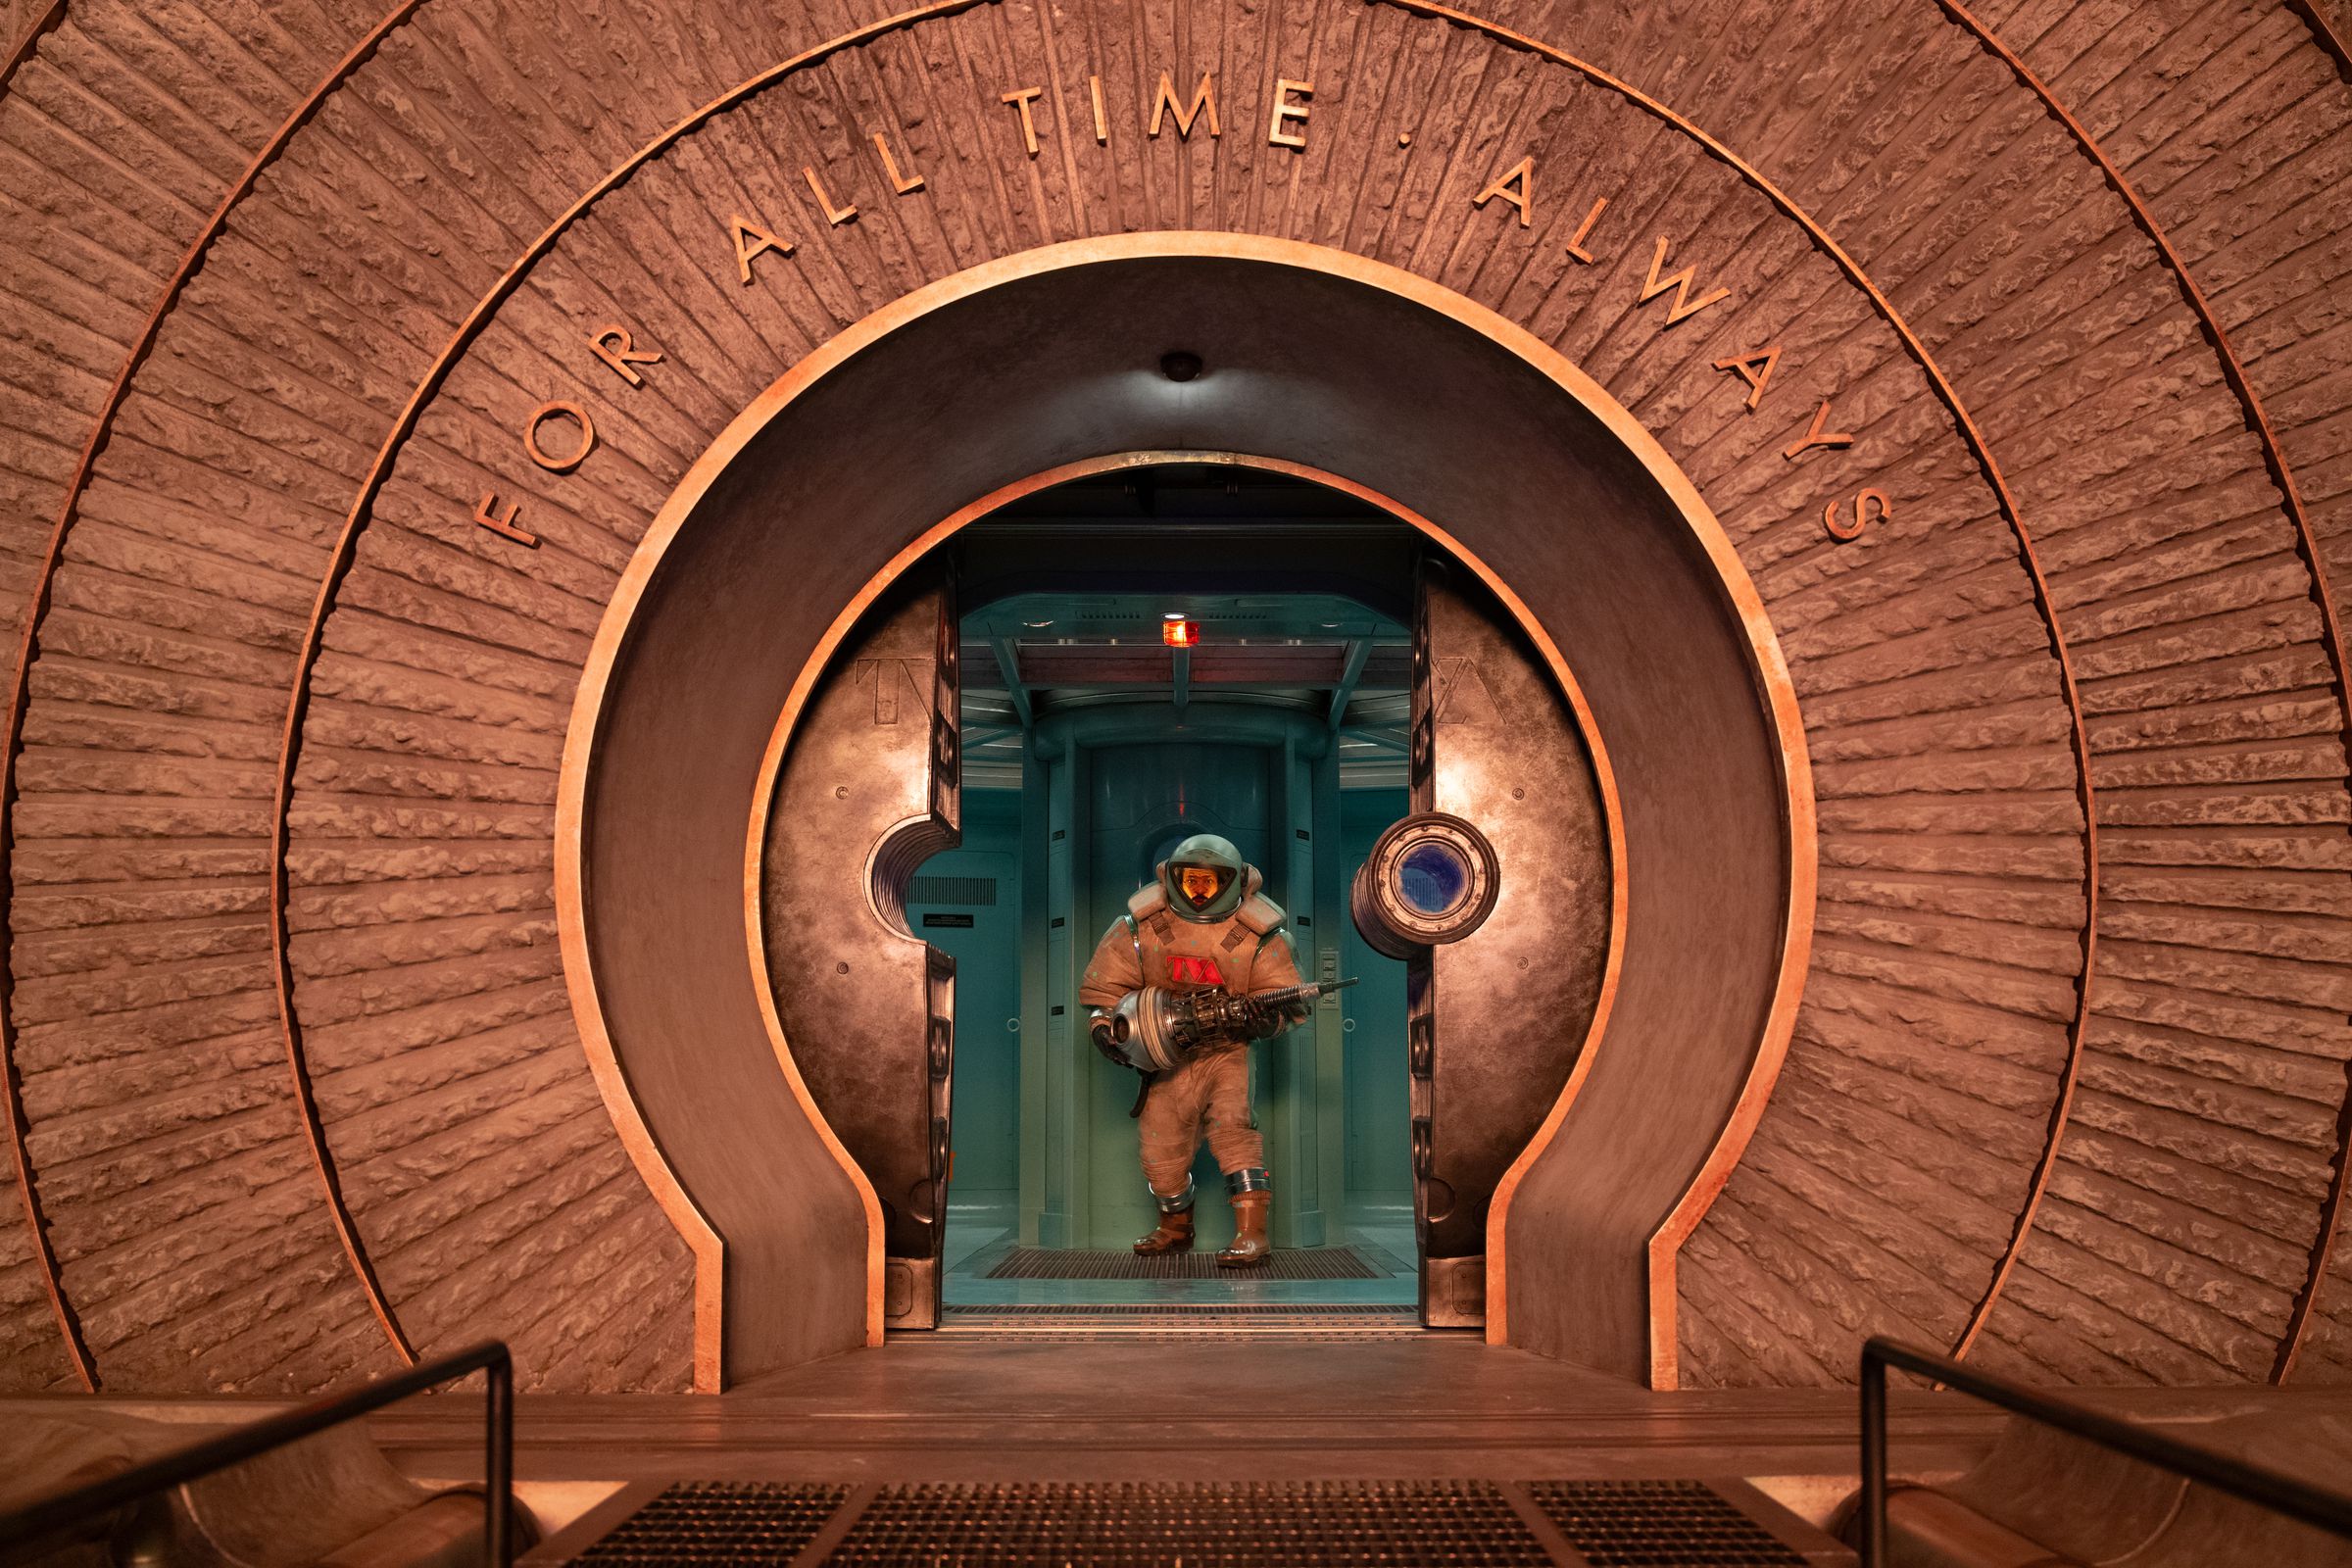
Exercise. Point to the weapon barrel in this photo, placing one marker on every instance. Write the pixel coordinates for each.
(1303, 993)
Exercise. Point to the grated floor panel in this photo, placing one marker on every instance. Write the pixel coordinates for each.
(1307, 1524)
(709, 1524)
(1336, 1525)
(1626, 1524)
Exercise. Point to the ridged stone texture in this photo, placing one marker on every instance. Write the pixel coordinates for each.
(2171, 1121)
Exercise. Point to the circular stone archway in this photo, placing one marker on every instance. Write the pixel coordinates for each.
(1926, 637)
(1955, 298)
(1317, 361)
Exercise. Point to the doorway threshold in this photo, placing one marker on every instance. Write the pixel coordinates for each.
(1057, 1320)
(1286, 1263)
(997, 1273)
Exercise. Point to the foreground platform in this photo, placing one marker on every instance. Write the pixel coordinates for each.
(1109, 1407)
(986, 1408)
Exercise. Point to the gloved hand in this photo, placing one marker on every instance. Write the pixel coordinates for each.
(1263, 1020)
(1101, 1035)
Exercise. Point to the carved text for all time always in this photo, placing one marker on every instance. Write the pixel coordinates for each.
(559, 436)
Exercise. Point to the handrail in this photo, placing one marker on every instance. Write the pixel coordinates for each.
(26, 1524)
(2297, 1500)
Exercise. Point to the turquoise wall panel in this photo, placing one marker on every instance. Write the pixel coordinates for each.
(979, 883)
(1042, 1127)
(1379, 1165)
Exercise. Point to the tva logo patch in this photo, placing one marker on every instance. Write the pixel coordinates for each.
(1185, 970)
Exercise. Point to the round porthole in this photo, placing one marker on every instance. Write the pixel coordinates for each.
(1430, 879)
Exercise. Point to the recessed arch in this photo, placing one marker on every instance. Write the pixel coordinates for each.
(1962, 1102)
(1532, 474)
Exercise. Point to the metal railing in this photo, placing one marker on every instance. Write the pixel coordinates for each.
(24, 1526)
(2296, 1500)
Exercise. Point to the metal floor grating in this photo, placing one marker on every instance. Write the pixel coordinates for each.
(718, 1524)
(1286, 1263)
(1327, 1524)
(1622, 1524)
(1262, 1524)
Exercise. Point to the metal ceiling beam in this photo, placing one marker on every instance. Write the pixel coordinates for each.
(1360, 650)
(1389, 740)
(1008, 664)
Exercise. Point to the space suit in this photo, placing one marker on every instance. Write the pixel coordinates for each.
(1201, 925)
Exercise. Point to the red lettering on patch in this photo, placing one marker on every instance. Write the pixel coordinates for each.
(1185, 970)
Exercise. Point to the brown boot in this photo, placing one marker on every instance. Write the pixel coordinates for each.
(1175, 1232)
(1250, 1246)
(1175, 1235)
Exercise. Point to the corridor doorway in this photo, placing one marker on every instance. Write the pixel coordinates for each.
(1092, 745)
(819, 1155)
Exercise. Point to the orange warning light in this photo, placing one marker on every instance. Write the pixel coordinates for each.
(1179, 633)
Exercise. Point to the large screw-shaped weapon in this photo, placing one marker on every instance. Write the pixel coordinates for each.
(1156, 1028)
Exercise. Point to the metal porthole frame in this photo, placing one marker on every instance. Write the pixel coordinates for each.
(1392, 926)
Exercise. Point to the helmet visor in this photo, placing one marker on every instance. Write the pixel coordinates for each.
(1201, 884)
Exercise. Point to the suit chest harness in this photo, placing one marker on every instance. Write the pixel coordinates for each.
(1196, 956)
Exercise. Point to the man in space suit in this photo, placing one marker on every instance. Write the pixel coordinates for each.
(1201, 925)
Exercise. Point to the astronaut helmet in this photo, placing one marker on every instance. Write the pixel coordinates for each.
(1204, 878)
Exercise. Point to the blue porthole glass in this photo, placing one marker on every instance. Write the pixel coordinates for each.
(1432, 878)
(1429, 880)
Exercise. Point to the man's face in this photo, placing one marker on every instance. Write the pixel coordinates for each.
(1199, 884)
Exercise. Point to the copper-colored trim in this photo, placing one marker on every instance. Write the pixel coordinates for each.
(612, 1081)
(1750, 1109)
(1612, 807)
(2331, 637)
(2324, 34)
(12, 740)
(1780, 1017)
(42, 26)
(701, 1239)
(1772, 672)
(2331, 1216)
